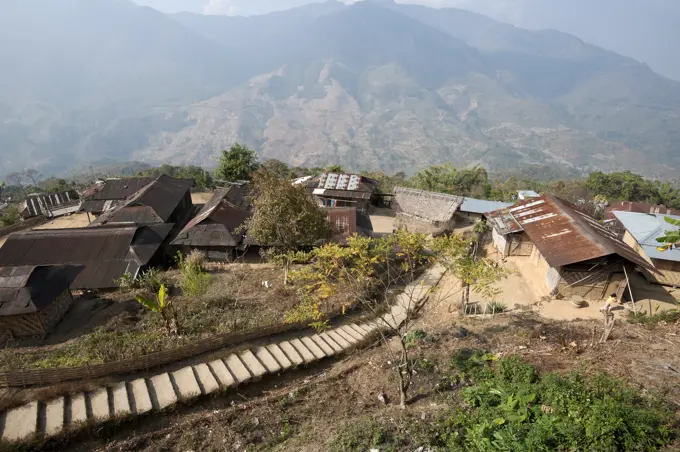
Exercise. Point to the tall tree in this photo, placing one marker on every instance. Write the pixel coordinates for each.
(284, 216)
(278, 167)
(238, 163)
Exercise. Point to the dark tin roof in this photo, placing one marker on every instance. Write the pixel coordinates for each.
(117, 188)
(105, 252)
(37, 203)
(564, 235)
(217, 221)
(154, 203)
(30, 289)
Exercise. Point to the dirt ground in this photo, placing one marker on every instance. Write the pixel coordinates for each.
(201, 197)
(76, 220)
(305, 410)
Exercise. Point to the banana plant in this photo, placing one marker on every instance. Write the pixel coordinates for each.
(163, 305)
(671, 238)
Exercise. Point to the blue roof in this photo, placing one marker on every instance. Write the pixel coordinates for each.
(646, 228)
(471, 205)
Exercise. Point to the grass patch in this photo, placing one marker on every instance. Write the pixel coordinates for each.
(641, 318)
(507, 406)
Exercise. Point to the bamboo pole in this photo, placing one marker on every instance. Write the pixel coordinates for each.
(630, 290)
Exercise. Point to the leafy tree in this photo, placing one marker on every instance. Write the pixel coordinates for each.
(202, 178)
(284, 217)
(238, 163)
(9, 216)
(447, 178)
(334, 169)
(279, 168)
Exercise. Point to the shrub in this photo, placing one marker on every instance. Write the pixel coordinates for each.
(151, 280)
(494, 307)
(414, 337)
(512, 408)
(642, 318)
(194, 281)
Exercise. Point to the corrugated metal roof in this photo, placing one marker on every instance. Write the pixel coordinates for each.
(117, 188)
(564, 235)
(646, 228)
(41, 203)
(154, 203)
(472, 205)
(30, 289)
(639, 207)
(105, 252)
(429, 206)
(525, 194)
(503, 221)
(217, 221)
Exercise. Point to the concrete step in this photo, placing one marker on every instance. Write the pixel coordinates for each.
(307, 356)
(291, 353)
(21, 422)
(267, 360)
(253, 364)
(140, 396)
(280, 356)
(338, 339)
(312, 347)
(162, 392)
(99, 404)
(237, 369)
(224, 377)
(347, 337)
(206, 379)
(327, 349)
(331, 343)
(354, 327)
(55, 415)
(121, 401)
(186, 383)
(78, 411)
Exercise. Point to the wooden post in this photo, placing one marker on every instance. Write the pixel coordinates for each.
(630, 290)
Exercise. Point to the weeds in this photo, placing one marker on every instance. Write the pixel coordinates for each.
(414, 337)
(195, 281)
(641, 318)
(495, 307)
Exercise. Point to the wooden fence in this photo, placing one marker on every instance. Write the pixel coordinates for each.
(46, 377)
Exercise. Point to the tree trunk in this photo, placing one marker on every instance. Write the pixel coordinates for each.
(405, 373)
(285, 271)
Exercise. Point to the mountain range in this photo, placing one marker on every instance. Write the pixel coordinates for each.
(373, 85)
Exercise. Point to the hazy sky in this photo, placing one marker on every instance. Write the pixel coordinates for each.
(648, 30)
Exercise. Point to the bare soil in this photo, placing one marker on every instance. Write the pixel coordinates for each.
(305, 410)
(76, 220)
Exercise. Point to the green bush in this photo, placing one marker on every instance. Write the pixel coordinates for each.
(670, 316)
(414, 337)
(512, 408)
(195, 281)
(495, 307)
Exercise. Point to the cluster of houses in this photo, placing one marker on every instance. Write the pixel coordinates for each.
(138, 223)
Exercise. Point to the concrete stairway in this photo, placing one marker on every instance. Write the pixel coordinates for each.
(164, 390)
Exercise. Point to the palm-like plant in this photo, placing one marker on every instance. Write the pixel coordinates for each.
(163, 305)
(670, 238)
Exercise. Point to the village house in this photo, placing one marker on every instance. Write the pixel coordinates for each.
(348, 222)
(33, 299)
(425, 212)
(106, 253)
(214, 229)
(109, 193)
(164, 200)
(50, 205)
(474, 209)
(614, 224)
(641, 232)
(336, 190)
(572, 253)
(526, 194)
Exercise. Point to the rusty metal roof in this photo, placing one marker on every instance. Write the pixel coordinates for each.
(564, 235)
(105, 252)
